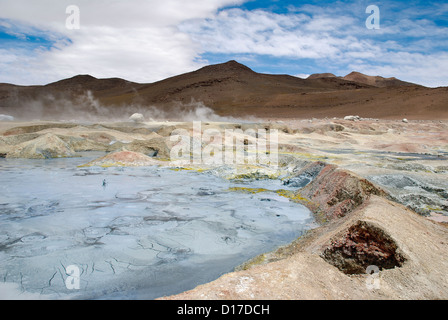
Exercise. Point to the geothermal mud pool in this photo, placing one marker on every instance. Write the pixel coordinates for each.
(143, 233)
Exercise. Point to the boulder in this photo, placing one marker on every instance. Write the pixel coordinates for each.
(44, 147)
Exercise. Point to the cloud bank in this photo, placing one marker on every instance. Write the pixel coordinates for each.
(334, 38)
(137, 40)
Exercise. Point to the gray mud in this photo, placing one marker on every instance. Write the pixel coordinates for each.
(142, 234)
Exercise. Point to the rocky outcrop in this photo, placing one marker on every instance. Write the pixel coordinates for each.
(361, 246)
(44, 147)
(333, 192)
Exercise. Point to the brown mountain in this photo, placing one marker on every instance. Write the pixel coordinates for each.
(321, 75)
(230, 89)
(376, 81)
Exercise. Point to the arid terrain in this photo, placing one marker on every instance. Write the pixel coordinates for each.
(229, 90)
(367, 155)
(378, 189)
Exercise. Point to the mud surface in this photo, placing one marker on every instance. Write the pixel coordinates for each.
(134, 233)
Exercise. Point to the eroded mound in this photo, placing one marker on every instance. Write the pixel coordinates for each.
(363, 245)
(46, 146)
(333, 192)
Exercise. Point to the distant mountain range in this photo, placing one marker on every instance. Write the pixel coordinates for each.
(231, 89)
(374, 81)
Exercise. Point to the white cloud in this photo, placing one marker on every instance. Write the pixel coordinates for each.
(116, 13)
(138, 54)
(137, 40)
(330, 37)
(262, 32)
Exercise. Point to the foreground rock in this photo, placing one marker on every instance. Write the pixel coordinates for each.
(331, 262)
(335, 192)
(44, 147)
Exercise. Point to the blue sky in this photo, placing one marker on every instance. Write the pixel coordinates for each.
(149, 40)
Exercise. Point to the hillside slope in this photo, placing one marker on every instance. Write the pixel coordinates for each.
(230, 89)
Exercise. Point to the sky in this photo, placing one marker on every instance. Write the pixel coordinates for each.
(43, 41)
